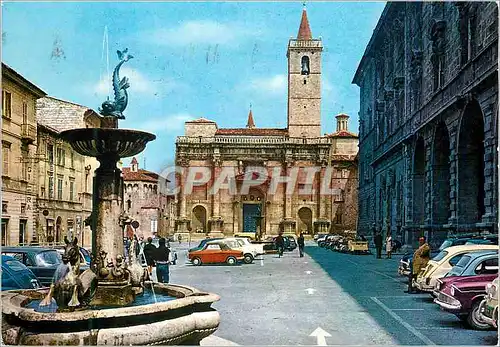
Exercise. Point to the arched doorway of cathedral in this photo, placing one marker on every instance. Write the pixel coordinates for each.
(305, 220)
(470, 203)
(199, 219)
(441, 176)
(58, 229)
(252, 206)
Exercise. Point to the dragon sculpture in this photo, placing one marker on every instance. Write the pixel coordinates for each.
(115, 108)
(69, 288)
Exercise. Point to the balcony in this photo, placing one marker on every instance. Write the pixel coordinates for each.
(28, 133)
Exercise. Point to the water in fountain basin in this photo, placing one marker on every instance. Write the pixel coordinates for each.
(148, 297)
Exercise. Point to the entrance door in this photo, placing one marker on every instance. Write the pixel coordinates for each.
(22, 231)
(249, 211)
(5, 225)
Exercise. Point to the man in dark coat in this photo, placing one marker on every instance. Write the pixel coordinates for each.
(149, 251)
(378, 244)
(280, 244)
(300, 242)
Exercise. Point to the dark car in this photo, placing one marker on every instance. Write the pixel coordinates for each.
(16, 275)
(42, 261)
(202, 244)
(462, 296)
(290, 243)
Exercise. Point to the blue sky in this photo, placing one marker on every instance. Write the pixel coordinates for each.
(191, 60)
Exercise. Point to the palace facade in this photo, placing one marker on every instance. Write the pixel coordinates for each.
(428, 156)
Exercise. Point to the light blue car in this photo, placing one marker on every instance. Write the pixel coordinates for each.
(476, 263)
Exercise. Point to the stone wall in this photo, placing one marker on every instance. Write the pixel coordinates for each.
(428, 93)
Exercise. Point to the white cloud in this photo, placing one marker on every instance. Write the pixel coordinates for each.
(169, 124)
(274, 85)
(199, 32)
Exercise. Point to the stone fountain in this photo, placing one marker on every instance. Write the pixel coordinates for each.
(121, 306)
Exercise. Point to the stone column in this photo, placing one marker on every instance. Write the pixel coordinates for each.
(488, 220)
(108, 206)
(288, 198)
(453, 219)
(216, 221)
(182, 221)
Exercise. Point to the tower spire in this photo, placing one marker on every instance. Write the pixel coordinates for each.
(250, 122)
(304, 29)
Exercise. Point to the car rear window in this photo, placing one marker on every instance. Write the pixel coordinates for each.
(463, 261)
(445, 244)
(440, 256)
(48, 258)
(15, 265)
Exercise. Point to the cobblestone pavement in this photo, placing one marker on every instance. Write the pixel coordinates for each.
(355, 299)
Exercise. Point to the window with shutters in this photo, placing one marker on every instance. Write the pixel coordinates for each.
(59, 188)
(5, 159)
(7, 104)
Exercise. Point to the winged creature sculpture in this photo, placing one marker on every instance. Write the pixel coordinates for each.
(115, 108)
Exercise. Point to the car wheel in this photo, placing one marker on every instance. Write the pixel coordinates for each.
(196, 261)
(475, 320)
(248, 258)
(231, 260)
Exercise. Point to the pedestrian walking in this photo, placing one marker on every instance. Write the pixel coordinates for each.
(300, 242)
(378, 244)
(388, 246)
(420, 259)
(162, 261)
(280, 244)
(149, 254)
(179, 238)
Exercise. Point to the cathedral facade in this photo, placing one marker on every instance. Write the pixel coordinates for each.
(248, 180)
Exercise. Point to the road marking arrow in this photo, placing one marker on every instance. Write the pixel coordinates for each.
(320, 335)
(310, 291)
(308, 272)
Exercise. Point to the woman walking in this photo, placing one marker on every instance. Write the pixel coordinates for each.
(388, 246)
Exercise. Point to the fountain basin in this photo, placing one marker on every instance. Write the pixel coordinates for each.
(99, 142)
(185, 320)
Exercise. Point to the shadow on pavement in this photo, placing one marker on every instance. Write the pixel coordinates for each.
(378, 289)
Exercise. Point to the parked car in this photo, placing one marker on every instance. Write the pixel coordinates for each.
(316, 237)
(84, 254)
(203, 242)
(15, 275)
(476, 263)
(249, 252)
(442, 263)
(258, 248)
(488, 309)
(42, 261)
(215, 252)
(462, 296)
(322, 240)
(290, 243)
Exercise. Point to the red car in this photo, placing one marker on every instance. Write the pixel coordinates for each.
(214, 253)
(462, 296)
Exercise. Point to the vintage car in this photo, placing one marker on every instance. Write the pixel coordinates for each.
(316, 237)
(84, 254)
(442, 263)
(290, 243)
(462, 296)
(488, 309)
(258, 248)
(476, 263)
(249, 251)
(42, 261)
(15, 275)
(215, 252)
(203, 242)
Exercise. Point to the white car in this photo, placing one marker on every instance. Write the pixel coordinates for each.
(250, 251)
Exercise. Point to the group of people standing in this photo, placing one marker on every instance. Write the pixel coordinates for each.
(378, 245)
(159, 257)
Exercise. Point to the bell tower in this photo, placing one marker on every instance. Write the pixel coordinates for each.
(304, 82)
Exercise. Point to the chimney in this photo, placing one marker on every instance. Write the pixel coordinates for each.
(342, 122)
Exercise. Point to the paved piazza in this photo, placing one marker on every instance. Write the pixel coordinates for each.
(355, 299)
